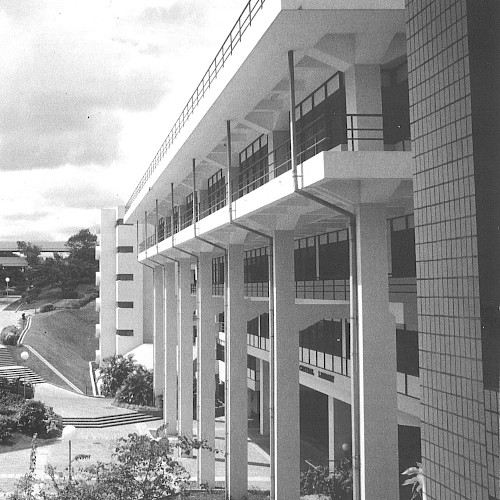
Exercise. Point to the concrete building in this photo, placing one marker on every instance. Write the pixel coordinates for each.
(334, 182)
(124, 305)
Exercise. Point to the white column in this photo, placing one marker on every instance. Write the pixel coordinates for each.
(206, 370)
(236, 380)
(159, 333)
(286, 372)
(364, 96)
(264, 397)
(339, 430)
(185, 343)
(170, 343)
(377, 359)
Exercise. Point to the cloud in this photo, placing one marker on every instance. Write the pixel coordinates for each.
(63, 93)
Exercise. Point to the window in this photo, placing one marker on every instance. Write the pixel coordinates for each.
(403, 247)
(125, 249)
(125, 333)
(334, 256)
(256, 268)
(124, 277)
(305, 259)
(125, 305)
(407, 352)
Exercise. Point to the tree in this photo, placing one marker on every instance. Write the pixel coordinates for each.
(31, 252)
(117, 369)
(82, 246)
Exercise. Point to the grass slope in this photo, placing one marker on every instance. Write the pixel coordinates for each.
(66, 339)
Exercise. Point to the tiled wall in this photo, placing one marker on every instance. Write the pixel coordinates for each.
(458, 425)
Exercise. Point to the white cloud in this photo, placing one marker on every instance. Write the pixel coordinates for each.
(89, 92)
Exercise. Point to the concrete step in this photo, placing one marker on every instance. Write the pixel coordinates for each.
(109, 420)
(14, 372)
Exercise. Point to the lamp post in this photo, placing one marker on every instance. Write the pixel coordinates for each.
(68, 434)
(24, 356)
(7, 286)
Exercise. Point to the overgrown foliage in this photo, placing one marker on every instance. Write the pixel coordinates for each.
(142, 468)
(416, 481)
(337, 484)
(137, 388)
(67, 272)
(117, 368)
(9, 335)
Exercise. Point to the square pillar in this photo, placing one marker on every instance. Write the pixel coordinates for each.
(364, 96)
(339, 431)
(377, 359)
(206, 370)
(158, 331)
(185, 343)
(264, 397)
(170, 344)
(286, 442)
(236, 378)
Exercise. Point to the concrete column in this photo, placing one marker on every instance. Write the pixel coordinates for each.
(185, 343)
(236, 381)
(159, 331)
(364, 96)
(264, 397)
(286, 372)
(377, 359)
(170, 344)
(339, 430)
(206, 370)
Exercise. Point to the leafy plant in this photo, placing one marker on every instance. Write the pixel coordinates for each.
(35, 418)
(46, 308)
(417, 481)
(114, 373)
(319, 480)
(7, 425)
(137, 388)
(9, 335)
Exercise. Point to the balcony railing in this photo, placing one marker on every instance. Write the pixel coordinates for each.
(232, 40)
(329, 362)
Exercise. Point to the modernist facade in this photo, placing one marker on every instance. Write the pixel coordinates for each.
(333, 180)
(125, 313)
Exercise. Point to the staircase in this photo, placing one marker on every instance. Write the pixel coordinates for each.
(20, 372)
(109, 420)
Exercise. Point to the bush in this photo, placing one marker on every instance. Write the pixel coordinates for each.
(137, 388)
(9, 335)
(10, 403)
(36, 418)
(69, 294)
(319, 480)
(117, 369)
(46, 308)
(7, 425)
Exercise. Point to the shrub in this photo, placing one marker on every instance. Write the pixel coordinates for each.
(46, 308)
(137, 388)
(9, 335)
(117, 369)
(7, 425)
(319, 480)
(36, 418)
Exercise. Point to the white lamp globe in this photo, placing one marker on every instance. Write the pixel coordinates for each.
(24, 355)
(69, 432)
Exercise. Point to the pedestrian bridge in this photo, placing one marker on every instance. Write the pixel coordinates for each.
(45, 246)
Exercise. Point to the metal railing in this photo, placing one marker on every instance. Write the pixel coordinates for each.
(232, 40)
(328, 362)
(322, 290)
(262, 171)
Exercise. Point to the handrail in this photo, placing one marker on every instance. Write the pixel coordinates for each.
(235, 35)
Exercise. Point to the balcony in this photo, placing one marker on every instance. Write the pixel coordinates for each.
(337, 132)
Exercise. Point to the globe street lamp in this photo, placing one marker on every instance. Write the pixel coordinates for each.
(7, 286)
(68, 434)
(24, 356)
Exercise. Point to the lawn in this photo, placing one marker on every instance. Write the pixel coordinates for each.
(66, 339)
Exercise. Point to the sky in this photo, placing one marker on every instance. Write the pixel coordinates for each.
(88, 92)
